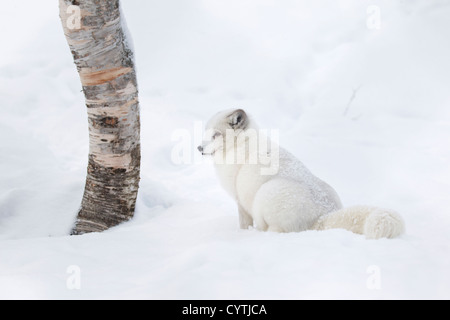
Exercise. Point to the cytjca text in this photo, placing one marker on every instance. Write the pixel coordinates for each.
(243, 309)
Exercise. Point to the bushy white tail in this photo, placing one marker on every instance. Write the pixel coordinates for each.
(373, 222)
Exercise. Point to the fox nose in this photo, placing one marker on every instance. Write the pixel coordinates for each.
(200, 148)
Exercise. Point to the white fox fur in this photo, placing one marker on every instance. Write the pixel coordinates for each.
(291, 198)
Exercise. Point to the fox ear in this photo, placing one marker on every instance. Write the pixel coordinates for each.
(238, 119)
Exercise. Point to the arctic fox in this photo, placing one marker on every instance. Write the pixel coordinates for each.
(275, 192)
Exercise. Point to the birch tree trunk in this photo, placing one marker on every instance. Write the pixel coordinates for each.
(96, 35)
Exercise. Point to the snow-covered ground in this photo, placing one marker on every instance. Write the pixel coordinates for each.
(358, 89)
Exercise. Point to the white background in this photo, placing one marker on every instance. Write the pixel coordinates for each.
(365, 108)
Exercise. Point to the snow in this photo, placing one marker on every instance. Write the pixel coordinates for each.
(365, 109)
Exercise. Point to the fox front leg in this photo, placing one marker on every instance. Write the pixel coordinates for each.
(245, 219)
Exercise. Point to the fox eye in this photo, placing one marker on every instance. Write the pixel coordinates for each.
(216, 135)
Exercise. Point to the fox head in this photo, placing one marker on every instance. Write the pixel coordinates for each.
(231, 137)
(222, 131)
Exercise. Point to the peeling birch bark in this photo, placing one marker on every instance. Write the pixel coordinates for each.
(107, 73)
